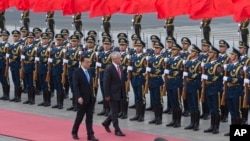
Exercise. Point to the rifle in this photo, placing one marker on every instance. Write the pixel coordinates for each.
(21, 71)
(97, 73)
(129, 76)
(245, 103)
(203, 86)
(65, 67)
(164, 89)
(184, 88)
(36, 67)
(49, 67)
(147, 79)
(223, 98)
(6, 73)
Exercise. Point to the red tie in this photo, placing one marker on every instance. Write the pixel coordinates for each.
(118, 71)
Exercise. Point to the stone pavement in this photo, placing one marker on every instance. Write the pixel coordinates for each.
(227, 32)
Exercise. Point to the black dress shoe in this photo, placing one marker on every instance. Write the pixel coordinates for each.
(119, 133)
(75, 136)
(106, 127)
(100, 102)
(149, 109)
(70, 108)
(92, 138)
(132, 106)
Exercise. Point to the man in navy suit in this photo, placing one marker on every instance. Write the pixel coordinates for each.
(85, 97)
(114, 91)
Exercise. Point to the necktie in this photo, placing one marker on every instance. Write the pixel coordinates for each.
(119, 72)
(87, 75)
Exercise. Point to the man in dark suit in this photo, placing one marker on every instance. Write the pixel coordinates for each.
(85, 98)
(114, 91)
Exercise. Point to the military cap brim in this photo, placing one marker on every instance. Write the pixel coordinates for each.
(185, 40)
(215, 50)
(158, 44)
(195, 48)
(205, 42)
(223, 43)
(176, 47)
(236, 52)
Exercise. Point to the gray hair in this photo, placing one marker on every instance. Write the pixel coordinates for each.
(115, 54)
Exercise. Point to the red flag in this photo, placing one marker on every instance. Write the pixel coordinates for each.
(137, 6)
(13, 3)
(223, 7)
(171, 8)
(241, 10)
(103, 7)
(75, 6)
(25, 4)
(47, 5)
(4, 4)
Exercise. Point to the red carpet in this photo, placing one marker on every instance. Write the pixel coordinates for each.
(41, 128)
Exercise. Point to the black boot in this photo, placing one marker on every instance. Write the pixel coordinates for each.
(48, 98)
(44, 99)
(212, 124)
(233, 122)
(244, 120)
(185, 112)
(205, 111)
(100, 102)
(173, 119)
(103, 111)
(155, 113)
(191, 125)
(6, 92)
(159, 111)
(137, 113)
(32, 96)
(15, 94)
(196, 121)
(142, 113)
(19, 94)
(178, 119)
(57, 100)
(169, 109)
(61, 99)
(125, 110)
(29, 98)
(216, 124)
(224, 112)
(150, 108)
(132, 106)
(72, 107)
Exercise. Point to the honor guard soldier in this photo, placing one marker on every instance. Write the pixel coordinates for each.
(57, 53)
(167, 54)
(192, 77)
(138, 80)
(123, 44)
(91, 53)
(93, 33)
(37, 32)
(205, 27)
(185, 56)
(14, 60)
(106, 23)
(213, 76)
(23, 38)
(122, 36)
(28, 58)
(169, 26)
(203, 57)
(65, 33)
(246, 98)
(174, 71)
(25, 19)
(3, 62)
(155, 70)
(2, 20)
(137, 24)
(51, 34)
(223, 58)
(244, 30)
(80, 36)
(104, 59)
(50, 20)
(72, 61)
(43, 52)
(154, 38)
(77, 21)
(234, 91)
(244, 61)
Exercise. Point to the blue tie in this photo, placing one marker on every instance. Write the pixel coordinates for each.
(87, 75)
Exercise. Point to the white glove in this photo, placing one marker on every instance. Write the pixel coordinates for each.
(204, 76)
(225, 66)
(97, 64)
(203, 64)
(166, 59)
(185, 73)
(65, 61)
(147, 58)
(128, 56)
(166, 71)
(144, 50)
(130, 68)
(225, 78)
(50, 60)
(96, 53)
(22, 57)
(184, 62)
(7, 45)
(148, 69)
(246, 81)
(35, 48)
(80, 52)
(64, 50)
(49, 49)
(7, 55)
(245, 68)
(37, 59)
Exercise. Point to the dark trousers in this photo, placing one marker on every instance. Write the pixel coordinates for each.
(113, 117)
(193, 101)
(213, 104)
(78, 25)
(82, 110)
(174, 97)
